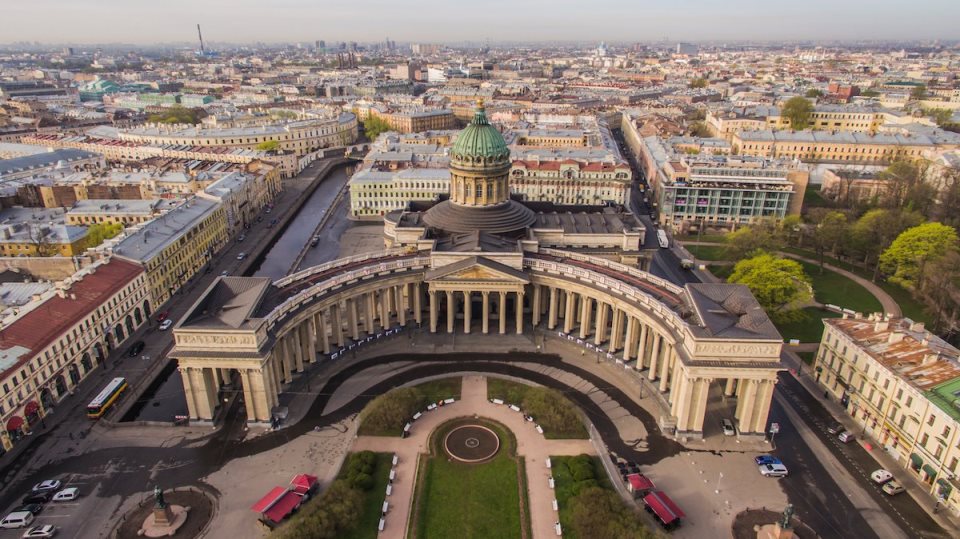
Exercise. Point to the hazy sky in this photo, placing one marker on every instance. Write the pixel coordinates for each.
(152, 21)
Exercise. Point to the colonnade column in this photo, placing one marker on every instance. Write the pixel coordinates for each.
(642, 347)
(385, 308)
(698, 408)
(519, 313)
(450, 311)
(503, 312)
(467, 308)
(654, 356)
(616, 330)
(669, 362)
(728, 388)
(761, 406)
(401, 305)
(745, 404)
(188, 392)
(433, 311)
(628, 339)
(416, 304)
(600, 333)
(586, 310)
(552, 314)
(322, 330)
(337, 324)
(568, 316)
(486, 311)
(248, 398)
(536, 305)
(353, 318)
(368, 309)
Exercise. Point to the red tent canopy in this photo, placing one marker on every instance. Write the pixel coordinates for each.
(663, 506)
(284, 506)
(639, 482)
(14, 423)
(302, 483)
(269, 500)
(31, 408)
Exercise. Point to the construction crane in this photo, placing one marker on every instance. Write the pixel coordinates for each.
(202, 51)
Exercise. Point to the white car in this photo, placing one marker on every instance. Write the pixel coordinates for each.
(892, 488)
(48, 485)
(773, 470)
(241, 256)
(881, 476)
(67, 494)
(728, 428)
(165, 325)
(45, 530)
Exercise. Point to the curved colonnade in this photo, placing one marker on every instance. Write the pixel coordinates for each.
(268, 332)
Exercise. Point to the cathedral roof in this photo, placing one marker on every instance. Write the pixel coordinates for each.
(480, 140)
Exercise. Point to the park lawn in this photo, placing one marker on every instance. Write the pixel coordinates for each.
(813, 199)
(808, 330)
(514, 393)
(716, 237)
(708, 252)
(470, 501)
(722, 272)
(835, 289)
(563, 484)
(369, 519)
(444, 388)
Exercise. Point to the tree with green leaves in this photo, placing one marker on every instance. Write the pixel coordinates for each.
(699, 129)
(374, 125)
(919, 92)
(798, 111)
(98, 232)
(601, 514)
(269, 145)
(913, 249)
(699, 83)
(178, 114)
(779, 284)
(875, 230)
(748, 240)
(813, 93)
(870, 93)
(829, 233)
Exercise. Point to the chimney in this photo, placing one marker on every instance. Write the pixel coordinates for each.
(881, 325)
(917, 326)
(929, 359)
(894, 337)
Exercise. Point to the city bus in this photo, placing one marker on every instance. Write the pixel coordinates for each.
(662, 239)
(105, 399)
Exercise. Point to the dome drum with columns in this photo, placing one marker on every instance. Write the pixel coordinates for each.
(481, 262)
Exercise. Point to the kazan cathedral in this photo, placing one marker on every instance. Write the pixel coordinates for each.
(481, 262)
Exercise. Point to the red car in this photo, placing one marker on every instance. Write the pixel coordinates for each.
(163, 316)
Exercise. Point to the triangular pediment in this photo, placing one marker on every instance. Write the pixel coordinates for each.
(477, 269)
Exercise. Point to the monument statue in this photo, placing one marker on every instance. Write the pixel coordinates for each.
(158, 495)
(787, 517)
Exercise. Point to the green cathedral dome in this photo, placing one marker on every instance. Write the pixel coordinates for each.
(480, 140)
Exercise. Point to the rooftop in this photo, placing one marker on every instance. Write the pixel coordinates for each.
(148, 241)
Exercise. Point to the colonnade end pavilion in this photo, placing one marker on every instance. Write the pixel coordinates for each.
(480, 261)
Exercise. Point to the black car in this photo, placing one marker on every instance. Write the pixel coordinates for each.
(835, 428)
(34, 508)
(136, 349)
(38, 497)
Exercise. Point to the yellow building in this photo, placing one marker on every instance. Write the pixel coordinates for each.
(39, 232)
(845, 147)
(900, 384)
(177, 245)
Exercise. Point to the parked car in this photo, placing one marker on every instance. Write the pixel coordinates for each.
(835, 428)
(134, 351)
(241, 237)
(37, 497)
(163, 316)
(34, 508)
(881, 476)
(67, 494)
(847, 436)
(893, 487)
(728, 428)
(166, 325)
(45, 530)
(224, 273)
(773, 470)
(315, 241)
(241, 256)
(17, 519)
(48, 485)
(766, 459)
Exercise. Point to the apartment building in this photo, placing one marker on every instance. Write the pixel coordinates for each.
(51, 344)
(39, 232)
(901, 384)
(841, 146)
(174, 247)
(718, 190)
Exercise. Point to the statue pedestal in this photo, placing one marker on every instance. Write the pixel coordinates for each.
(164, 522)
(774, 531)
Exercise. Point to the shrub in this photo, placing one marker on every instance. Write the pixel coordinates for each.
(327, 516)
(551, 410)
(388, 413)
(600, 513)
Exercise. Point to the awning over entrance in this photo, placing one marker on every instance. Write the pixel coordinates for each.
(916, 460)
(663, 507)
(284, 506)
(930, 470)
(945, 487)
(301, 484)
(14, 423)
(31, 408)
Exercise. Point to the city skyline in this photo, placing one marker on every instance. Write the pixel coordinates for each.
(109, 21)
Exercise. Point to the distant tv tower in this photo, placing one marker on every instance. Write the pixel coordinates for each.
(202, 51)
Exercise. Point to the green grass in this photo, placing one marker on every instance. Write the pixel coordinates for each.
(564, 488)
(708, 252)
(719, 237)
(808, 330)
(386, 415)
(806, 357)
(723, 272)
(369, 519)
(444, 388)
(813, 199)
(515, 393)
(836, 289)
(469, 501)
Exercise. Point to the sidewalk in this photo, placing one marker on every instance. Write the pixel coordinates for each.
(915, 488)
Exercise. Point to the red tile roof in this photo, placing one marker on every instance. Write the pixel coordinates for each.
(43, 325)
